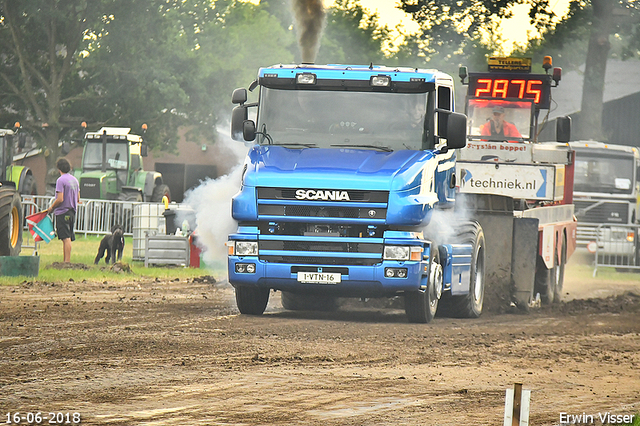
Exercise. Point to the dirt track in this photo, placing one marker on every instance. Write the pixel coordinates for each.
(177, 353)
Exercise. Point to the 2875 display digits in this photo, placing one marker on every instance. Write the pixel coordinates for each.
(50, 418)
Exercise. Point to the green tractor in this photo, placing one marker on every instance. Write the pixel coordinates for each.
(21, 176)
(10, 203)
(112, 168)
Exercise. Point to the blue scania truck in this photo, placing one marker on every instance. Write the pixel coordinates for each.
(349, 190)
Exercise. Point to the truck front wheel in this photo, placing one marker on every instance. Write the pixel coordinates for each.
(470, 305)
(252, 300)
(421, 306)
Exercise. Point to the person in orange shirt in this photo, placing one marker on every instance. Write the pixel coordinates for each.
(498, 126)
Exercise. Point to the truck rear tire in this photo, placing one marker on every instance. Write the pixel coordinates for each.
(545, 280)
(470, 305)
(421, 306)
(10, 222)
(559, 273)
(252, 300)
(303, 302)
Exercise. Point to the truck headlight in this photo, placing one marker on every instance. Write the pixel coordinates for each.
(246, 248)
(396, 252)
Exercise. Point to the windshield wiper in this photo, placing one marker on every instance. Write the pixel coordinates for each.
(305, 145)
(379, 148)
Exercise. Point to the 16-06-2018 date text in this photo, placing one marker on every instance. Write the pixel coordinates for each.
(43, 418)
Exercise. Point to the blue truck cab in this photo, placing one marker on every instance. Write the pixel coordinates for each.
(348, 166)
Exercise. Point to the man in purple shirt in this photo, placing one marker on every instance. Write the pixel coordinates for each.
(65, 205)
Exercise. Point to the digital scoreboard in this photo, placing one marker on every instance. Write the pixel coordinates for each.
(536, 87)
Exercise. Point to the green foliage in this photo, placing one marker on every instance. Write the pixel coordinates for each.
(451, 34)
(167, 63)
(568, 41)
(352, 36)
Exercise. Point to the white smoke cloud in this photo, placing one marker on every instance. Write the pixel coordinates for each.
(211, 202)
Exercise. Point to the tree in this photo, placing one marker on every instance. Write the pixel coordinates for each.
(352, 35)
(453, 32)
(595, 29)
(39, 77)
(168, 63)
(452, 25)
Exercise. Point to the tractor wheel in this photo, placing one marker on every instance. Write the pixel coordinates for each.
(160, 191)
(10, 222)
(134, 197)
(421, 306)
(471, 304)
(300, 302)
(29, 186)
(50, 191)
(252, 300)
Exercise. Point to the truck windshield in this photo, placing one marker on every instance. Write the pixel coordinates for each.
(604, 174)
(331, 119)
(499, 120)
(116, 155)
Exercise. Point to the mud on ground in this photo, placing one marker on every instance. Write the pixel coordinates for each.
(175, 352)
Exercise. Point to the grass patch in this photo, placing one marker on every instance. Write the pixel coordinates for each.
(84, 251)
(584, 272)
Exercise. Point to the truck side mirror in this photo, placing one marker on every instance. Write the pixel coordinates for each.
(456, 130)
(239, 96)
(249, 130)
(238, 116)
(144, 150)
(563, 129)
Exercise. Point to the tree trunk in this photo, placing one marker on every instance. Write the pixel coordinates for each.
(589, 125)
(51, 152)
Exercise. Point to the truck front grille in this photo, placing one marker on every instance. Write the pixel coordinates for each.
(90, 188)
(602, 212)
(322, 211)
(319, 250)
(347, 205)
(319, 260)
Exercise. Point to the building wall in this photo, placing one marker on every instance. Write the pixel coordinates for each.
(620, 124)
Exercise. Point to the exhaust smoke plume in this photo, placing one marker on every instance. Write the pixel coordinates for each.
(211, 201)
(309, 16)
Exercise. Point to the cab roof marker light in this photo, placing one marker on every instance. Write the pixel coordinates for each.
(306, 78)
(557, 75)
(380, 81)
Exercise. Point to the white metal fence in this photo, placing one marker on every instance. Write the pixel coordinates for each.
(97, 217)
(616, 246)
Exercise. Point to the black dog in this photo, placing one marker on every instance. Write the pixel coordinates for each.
(113, 244)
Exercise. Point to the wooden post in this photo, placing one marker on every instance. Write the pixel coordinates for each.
(517, 397)
(516, 406)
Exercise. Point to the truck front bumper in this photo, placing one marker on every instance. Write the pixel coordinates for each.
(355, 280)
